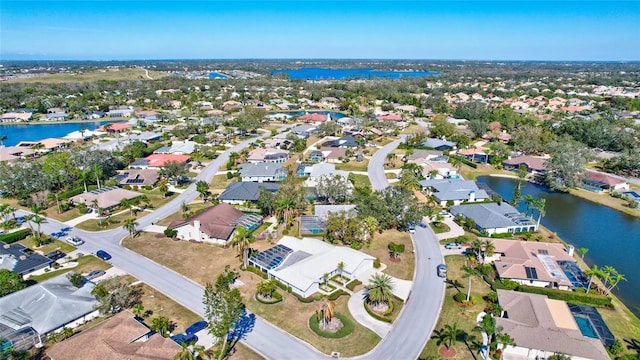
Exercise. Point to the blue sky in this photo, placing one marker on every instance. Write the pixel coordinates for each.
(501, 30)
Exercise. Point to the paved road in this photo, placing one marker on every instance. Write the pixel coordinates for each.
(403, 342)
(376, 165)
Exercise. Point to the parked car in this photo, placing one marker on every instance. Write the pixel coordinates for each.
(442, 270)
(184, 338)
(453, 246)
(422, 225)
(445, 214)
(55, 255)
(195, 327)
(74, 241)
(103, 255)
(94, 274)
(411, 228)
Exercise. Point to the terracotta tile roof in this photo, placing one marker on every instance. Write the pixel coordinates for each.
(115, 127)
(120, 338)
(159, 160)
(603, 178)
(315, 117)
(534, 163)
(216, 221)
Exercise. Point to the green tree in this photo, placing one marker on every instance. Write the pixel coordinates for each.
(114, 295)
(583, 251)
(203, 188)
(161, 325)
(379, 289)
(76, 279)
(173, 170)
(340, 268)
(395, 249)
(371, 225)
(138, 310)
(266, 288)
(440, 127)
(565, 168)
(469, 272)
(242, 238)
(10, 282)
(593, 271)
(130, 226)
(223, 308)
(448, 335)
(539, 204)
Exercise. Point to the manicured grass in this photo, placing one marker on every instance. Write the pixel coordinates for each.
(391, 176)
(47, 248)
(115, 221)
(261, 228)
(65, 216)
(195, 206)
(464, 316)
(470, 173)
(361, 180)
(221, 181)
(160, 305)
(606, 200)
(354, 165)
(86, 264)
(440, 228)
(292, 316)
(92, 76)
(378, 248)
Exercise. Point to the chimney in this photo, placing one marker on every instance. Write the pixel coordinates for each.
(472, 196)
(570, 249)
(196, 225)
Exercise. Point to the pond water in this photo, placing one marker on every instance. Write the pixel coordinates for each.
(342, 74)
(34, 132)
(612, 237)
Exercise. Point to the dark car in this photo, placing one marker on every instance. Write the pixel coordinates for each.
(195, 327)
(94, 274)
(185, 338)
(103, 255)
(55, 255)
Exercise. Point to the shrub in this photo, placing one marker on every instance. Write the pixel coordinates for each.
(353, 283)
(460, 297)
(256, 271)
(76, 279)
(376, 263)
(569, 296)
(382, 317)
(15, 236)
(336, 294)
(170, 233)
(347, 327)
(276, 298)
(306, 300)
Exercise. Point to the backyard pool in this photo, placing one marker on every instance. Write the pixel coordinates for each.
(585, 327)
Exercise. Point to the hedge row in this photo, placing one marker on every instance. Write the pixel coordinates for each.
(380, 317)
(347, 327)
(256, 271)
(15, 236)
(277, 297)
(336, 294)
(353, 283)
(466, 162)
(306, 300)
(569, 296)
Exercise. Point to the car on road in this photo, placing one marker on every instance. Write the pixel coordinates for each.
(94, 274)
(445, 214)
(453, 245)
(422, 225)
(442, 270)
(195, 327)
(74, 241)
(411, 228)
(55, 255)
(103, 255)
(185, 338)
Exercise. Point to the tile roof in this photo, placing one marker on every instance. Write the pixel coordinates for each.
(106, 197)
(160, 160)
(217, 221)
(604, 178)
(120, 338)
(534, 163)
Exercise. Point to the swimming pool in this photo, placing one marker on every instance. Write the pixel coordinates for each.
(592, 188)
(585, 327)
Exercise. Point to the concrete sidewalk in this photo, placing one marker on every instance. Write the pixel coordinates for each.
(82, 218)
(357, 310)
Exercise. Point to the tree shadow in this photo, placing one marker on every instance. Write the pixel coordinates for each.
(454, 284)
(243, 327)
(472, 344)
(633, 345)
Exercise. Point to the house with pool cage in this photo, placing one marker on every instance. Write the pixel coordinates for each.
(495, 218)
(302, 263)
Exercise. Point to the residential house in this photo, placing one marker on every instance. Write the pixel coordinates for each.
(138, 177)
(316, 156)
(122, 337)
(157, 161)
(262, 172)
(439, 144)
(113, 128)
(419, 156)
(106, 198)
(389, 117)
(477, 155)
(314, 118)
(21, 260)
(11, 153)
(542, 327)
(45, 145)
(93, 115)
(333, 155)
(343, 142)
(242, 192)
(302, 263)
(455, 191)
(125, 112)
(633, 196)
(532, 164)
(605, 181)
(305, 130)
(270, 155)
(495, 218)
(215, 224)
(28, 315)
(537, 264)
(323, 211)
(317, 171)
(58, 116)
(178, 148)
(16, 117)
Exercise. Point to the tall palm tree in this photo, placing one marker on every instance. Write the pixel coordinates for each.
(130, 226)
(326, 311)
(84, 176)
(469, 272)
(340, 268)
(138, 310)
(98, 172)
(591, 273)
(163, 186)
(529, 200)
(476, 248)
(242, 238)
(203, 188)
(161, 325)
(583, 251)
(488, 248)
(539, 205)
(380, 289)
(614, 280)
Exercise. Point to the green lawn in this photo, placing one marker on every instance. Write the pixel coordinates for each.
(440, 228)
(361, 180)
(354, 166)
(49, 247)
(115, 221)
(86, 264)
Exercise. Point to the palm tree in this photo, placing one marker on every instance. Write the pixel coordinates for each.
(340, 268)
(469, 272)
(476, 248)
(84, 176)
(489, 248)
(410, 181)
(130, 226)
(371, 225)
(326, 311)
(203, 188)
(583, 251)
(539, 205)
(138, 310)
(391, 157)
(529, 200)
(448, 335)
(380, 289)
(163, 186)
(191, 352)
(38, 220)
(98, 172)
(161, 325)
(614, 280)
(242, 238)
(592, 272)
(504, 339)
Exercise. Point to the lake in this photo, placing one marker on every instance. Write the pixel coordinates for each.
(34, 132)
(345, 74)
(612, 237)
(334, 115)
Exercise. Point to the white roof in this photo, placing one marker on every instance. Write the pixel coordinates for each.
(312, 258)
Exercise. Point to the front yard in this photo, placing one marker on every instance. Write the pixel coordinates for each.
(401, 268)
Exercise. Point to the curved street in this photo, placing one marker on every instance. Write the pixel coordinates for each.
(404, 341)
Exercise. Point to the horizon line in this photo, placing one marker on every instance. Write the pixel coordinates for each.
(318, 59)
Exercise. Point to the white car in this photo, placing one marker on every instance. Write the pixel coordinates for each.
(74, 241)
(445, 214)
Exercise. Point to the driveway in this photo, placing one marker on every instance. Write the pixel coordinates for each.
(455, 230)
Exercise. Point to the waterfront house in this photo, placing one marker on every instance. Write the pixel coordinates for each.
(455, 191)
(242, 192)
(93, 114)
(314, 118)
(16, 116)
(439, 144)
(113, 128)
(534, 165)
(138, 177)
(477, 155)
(537, 264)
(270, 155)
(28, 315)
(12, 153)
(122, 337)
(106, 198)
(45, 145)
(215, 224)
(389, 117)
(605, 181)
(542, 327)
(21, 260)
(124, 112)
(495, 218)
(262, 172)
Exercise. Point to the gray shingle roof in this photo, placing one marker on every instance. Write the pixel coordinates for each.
(246, 191)
(260, 169)
(491, 215)
(46, 306)
(452, 189)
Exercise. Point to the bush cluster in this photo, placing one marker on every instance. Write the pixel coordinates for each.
(15, 236)
(276, 298)
(353, 283)
(347, 327)
(382, 317)
(256, 271)
(569, 296)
